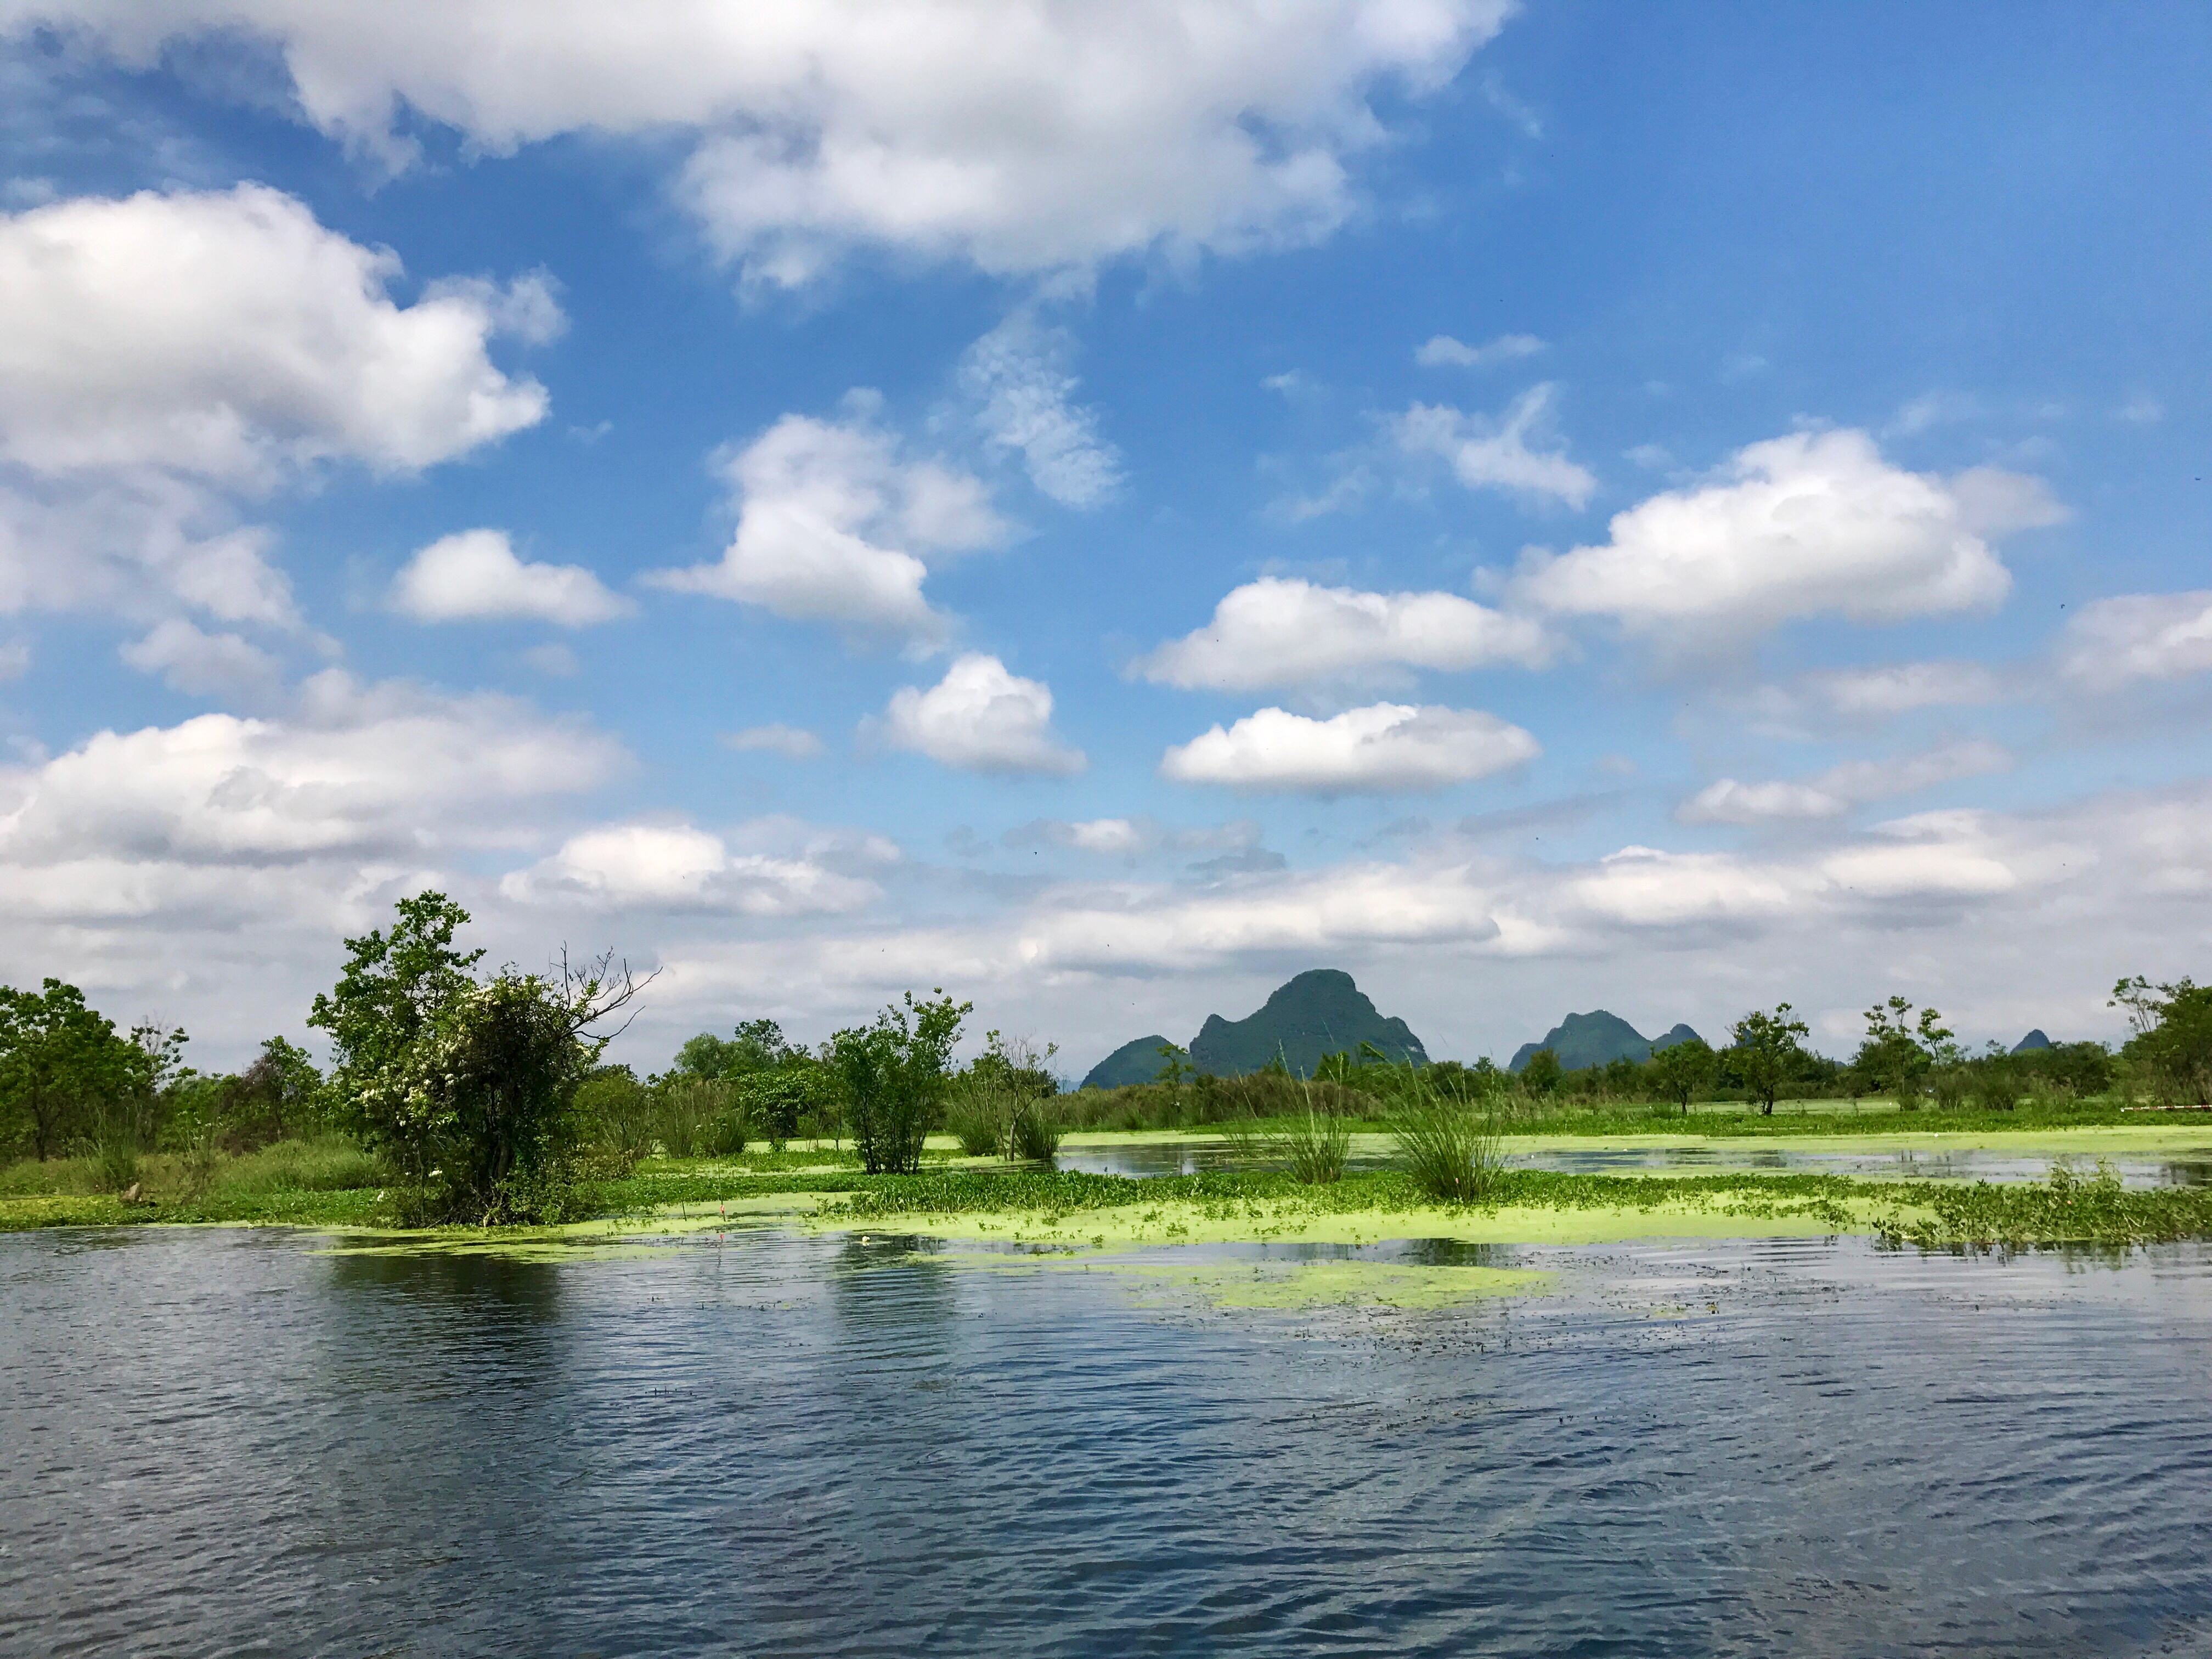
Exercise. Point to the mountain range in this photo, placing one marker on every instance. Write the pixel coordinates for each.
(1597, 1038)
(1319, 1012)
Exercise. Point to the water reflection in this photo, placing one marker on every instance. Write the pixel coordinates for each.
(223, 1442)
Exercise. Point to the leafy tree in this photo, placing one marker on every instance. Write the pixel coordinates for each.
(894, 1074)
(2172, 1040)
(1897, 1053)
(60, 1063)
(1679, 1071)
(279, 1095)
(1543, 1073)
(1766, 1051)
(394, 989)
(1176, 1068)
(467, 1090)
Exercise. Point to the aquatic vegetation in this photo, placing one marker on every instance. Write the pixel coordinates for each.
(2069, 1208)
(1451, 1139)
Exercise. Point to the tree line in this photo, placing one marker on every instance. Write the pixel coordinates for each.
(487, 1096)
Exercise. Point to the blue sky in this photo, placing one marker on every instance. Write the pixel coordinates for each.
(1704, 505)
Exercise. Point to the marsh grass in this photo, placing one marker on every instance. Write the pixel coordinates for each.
(979, 1110)
(1451, 1140)
(1034, 1136)
(324, 1163)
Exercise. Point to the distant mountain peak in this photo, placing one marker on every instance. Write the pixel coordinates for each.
(1597, 1038)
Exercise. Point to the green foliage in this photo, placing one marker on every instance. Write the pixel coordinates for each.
(1450, 1138)
(1034, 1133)
(62, 1068)
(467, 1090)
(894, 1074)
(1899, 1053)
(1175, 1065)
(393, 989)
(1541, 1076)
(2172, 1042)
(1680, 1071)
(280, 1096)
(617, 1115)
(1766, 1049)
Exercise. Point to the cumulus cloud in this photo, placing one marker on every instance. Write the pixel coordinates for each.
(2138, 636)
(200, 664)
(227, 336)
(1017, 376)
(1023, 137)
(981, 719)
(1899, 688)
(792, 742)
(1133, 836)
(834, 524)
(168, 356)
(1495, 454)
(1441, 351)
(356, 770)
(474, 575)
(1812, 524)
(675, 866)
(1281, 631)
(1389, 748)
(1836, 791)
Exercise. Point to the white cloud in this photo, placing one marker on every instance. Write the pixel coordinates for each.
(1494, 454)
(1280, 631)
(1386, 749)
(356, 770)
(2138, 636)
(1441, 352)
(474, 575)
(1836, 791)
(792, 742)
(1022, 137)
(200, 664)
(675, 866)
(981, 719)
(828, 514)
(228, 337)
(167, 355)
(1899, 688)
(1131, 838)
(1018, 374)
(1802, 526)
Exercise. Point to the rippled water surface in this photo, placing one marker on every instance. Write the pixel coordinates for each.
(226, 1442)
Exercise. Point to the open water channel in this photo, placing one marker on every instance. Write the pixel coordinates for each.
(233, 1441)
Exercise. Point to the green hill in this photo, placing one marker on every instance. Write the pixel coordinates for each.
(1597, 1038)
(1319, 1012)
(2031, 1041)
(1133, 1062)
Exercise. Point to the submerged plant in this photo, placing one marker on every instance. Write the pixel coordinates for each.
(1451, 1138)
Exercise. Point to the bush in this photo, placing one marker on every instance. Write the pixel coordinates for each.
(615, 1115)
(978, 1111)
(894, 1077)
(1996, 1086)
(1951, 1085)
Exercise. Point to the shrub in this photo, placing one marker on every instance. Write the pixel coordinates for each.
(693, 1114)
(894, 1077)
(1996, 1086)
(616, 1117)
(1951, 1085)
(979, 1109)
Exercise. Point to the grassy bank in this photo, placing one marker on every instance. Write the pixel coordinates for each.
(325, 1184)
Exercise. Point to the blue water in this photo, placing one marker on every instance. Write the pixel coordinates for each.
(238, 1442)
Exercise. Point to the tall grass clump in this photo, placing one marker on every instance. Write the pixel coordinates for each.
(1451, 1138)
(979, 1111)
(1315, 1146)
(1035, 1133)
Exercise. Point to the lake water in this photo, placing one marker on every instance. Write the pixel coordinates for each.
(224, 1442)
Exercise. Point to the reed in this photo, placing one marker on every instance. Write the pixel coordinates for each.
(1451, 1138)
